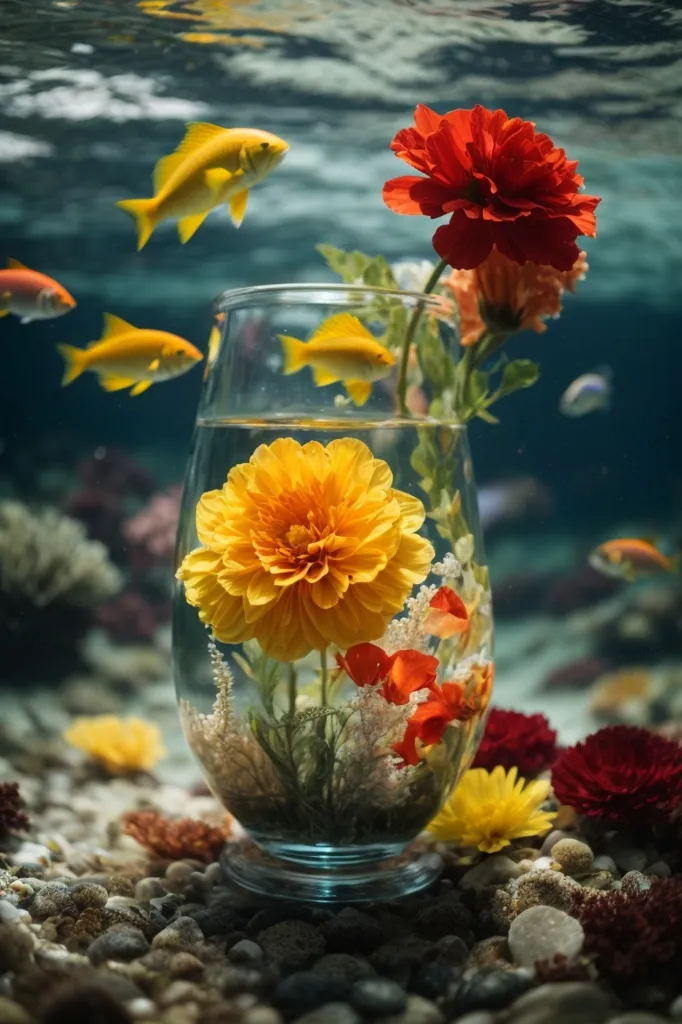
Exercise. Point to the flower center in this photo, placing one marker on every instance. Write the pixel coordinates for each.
(297, 539)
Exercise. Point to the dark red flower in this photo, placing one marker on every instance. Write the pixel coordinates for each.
(513, 739)
(503, 183)
(621, 773)
(12, 818)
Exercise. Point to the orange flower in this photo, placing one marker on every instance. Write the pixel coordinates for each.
(366, 664)
(503, 297)
(448, 615)
(402, 673)
(305, 546)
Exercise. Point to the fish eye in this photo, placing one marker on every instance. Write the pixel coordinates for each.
(265, 145)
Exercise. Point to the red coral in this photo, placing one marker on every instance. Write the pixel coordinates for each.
(634, 936)
(12, 819)
(175, 838)
(513, 739)
(621, 773)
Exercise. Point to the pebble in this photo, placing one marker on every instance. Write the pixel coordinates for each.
(478, 1017)
(434, 980)
(544, 888)
(453, 950)
(676, 1009)
(181, 934)
(443, 917)
(420, 1011)
(291, 944)
(399, 958)
(352, 931)
(343, 966)
(149, 889)
(488, 990)
(489, 952)
(305, 991)
(88, 894)
(493, 870)
(635, 882)
(122, 942)
(245, 952)
(331, 1013)
(638, 1017)
(52, 900)
(261, 1015)
(627, 857)
(8, 912)
(659, 868)
(377, 997)
(604, 863)
(579, 1001)
(541, 933)
(140, 1009)
(574, 857)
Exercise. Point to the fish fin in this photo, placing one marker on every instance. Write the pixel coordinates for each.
(359, 390)
(114, 383)
(216, 179)
(113, 326)
(16, 265)
(26, 319)
(238, 206)
(197, 134)
(140, 387)
(295, 354)
(154, 365)
(322, 377)
(188, 225)
(342, 326)
(143, 211)
(74, 362)
(165, 168)
(628, 572)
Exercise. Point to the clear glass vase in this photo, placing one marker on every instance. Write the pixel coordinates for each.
(332, 622)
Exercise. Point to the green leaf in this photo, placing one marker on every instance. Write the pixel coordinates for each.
(374, 271)
(488, 417)
(521, 373)
(437, 366)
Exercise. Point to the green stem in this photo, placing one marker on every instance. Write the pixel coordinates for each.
(324, 676)
(291, 686)
(410, 332)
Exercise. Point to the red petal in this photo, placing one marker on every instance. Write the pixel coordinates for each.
(397, 194)
(366, 664)
(549, 242)
(464, 243)
(447, 600)
(410, 671)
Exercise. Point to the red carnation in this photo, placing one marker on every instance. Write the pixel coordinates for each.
(621, 773)
(503, 183)
(513, 739)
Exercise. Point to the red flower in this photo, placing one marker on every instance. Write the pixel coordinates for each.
(402, 673)
(503, 183)
(366, 664)
(513, 739)
(621, 773)
(448, 615)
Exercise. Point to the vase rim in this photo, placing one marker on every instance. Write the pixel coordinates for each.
(316, 293)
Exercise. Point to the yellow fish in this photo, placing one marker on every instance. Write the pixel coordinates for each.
(130, 357)
(212, 165)
(214, 343)
(340, 349)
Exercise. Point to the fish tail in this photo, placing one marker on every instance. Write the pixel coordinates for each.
(143, 212)
(295, 354)
(74, 360)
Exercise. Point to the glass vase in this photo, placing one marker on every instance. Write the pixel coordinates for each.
(332, 621)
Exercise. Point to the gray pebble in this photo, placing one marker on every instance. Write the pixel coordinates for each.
(89, 894)
(477, 1017)
(352, 931)
(493, 870)
(331, 1013)
(53, 899)
(122, 942)
(541, 933)
(660, 869)
(627, 857)
(149, 889)
(420, 1011)
(291, 944)
(574, 1001)
(675, 1009)
(245, 952)
(377, 997)
(9, 912)
(261, 1015)
(343, 966)
(182, 934)
(638, 1017)
(604, 863)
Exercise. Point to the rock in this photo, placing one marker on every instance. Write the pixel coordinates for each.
(492, 952)
(434, 980)
(122, 942)
(141, 1009)
(12, 1013)
(543, 888)
(88, 894)
(399, 958)
(566, 1002)
(477, 1017)
(218, 918)
(10, 913)
(331, 1013)
(245, 952)
(88, 1003)
(675, 1010)
(635, 882)
(343, 966)
(291, 944)
(261, 1015)
(604, 863)
(452, 950)
(487, 990)
(420, 1011)
(574, 857)
(493, 870)
(659, 868)
(53, 900)
(638, 1017)
(444, 917)
(597, 880)
(541, 933)
(377, 997)
(278, 912)
(185, 965)
(16, 947)
(177, 992)
(352, 931)
(626, 856)
(181, 934)
(149, 889)
(305, 991)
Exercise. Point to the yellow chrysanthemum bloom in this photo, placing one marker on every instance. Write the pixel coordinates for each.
(305, 545)
(121, 745)
(489, 809)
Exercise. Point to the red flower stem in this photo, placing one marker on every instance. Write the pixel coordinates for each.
(410, 332)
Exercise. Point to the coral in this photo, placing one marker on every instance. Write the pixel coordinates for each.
(560, 969)
(634, 936)
(623, 774)
(150, 534)
(175, 838)
(51, 576)
(489, 809)
(119, 745)
(131, 617)
(512, 739)
(12, 818)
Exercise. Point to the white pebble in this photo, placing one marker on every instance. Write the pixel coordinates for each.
(140, 1009)
(541, 933)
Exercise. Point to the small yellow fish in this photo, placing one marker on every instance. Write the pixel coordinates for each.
(628, 558)
(212, 165)
(341, 349)
(130, 357)
(214, 343)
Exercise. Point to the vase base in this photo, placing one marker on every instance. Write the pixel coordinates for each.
(252, 868)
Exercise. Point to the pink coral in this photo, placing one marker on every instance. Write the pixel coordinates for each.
(151, 533)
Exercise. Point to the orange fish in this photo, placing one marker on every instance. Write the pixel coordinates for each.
(31, 295)
(628, 558)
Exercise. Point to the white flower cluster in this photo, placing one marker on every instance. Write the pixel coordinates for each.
(449, 568)
(407, 632)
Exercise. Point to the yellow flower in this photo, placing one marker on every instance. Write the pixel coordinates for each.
(121, 745)
(489, 809)
(304, 546)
